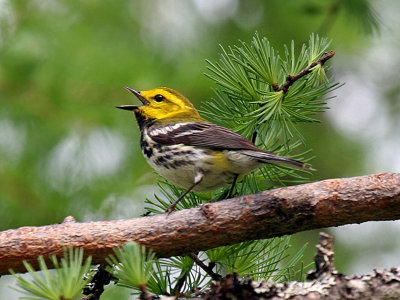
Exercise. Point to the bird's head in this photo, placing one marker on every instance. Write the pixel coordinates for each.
(162, 104)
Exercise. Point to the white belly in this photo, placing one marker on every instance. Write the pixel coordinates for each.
(179, 164)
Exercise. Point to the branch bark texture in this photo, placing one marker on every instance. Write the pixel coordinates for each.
(267, 214)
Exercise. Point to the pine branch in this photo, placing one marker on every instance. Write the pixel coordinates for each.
(267, 214)
(264, 95)
(292, 79)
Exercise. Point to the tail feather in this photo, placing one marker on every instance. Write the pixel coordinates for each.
(270, 158)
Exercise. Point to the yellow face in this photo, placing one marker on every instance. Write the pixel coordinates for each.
(163, 103)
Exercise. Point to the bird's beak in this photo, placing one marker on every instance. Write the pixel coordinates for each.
(128, 107)
(138, 95)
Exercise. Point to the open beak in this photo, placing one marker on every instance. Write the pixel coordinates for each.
(128, 107)
(138, 95)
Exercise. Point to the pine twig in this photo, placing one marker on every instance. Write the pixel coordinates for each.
(307, 70)
(180, 282)
(95, 287)
(292, 79)
(206, 268)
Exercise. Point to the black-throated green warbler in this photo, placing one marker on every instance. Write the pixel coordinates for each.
(188, 150)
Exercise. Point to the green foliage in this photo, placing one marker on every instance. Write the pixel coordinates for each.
(131, 265)
(185, 268)
(65, 282)
(169, 194)
(261, 259)
(249, 99)
(160, 283)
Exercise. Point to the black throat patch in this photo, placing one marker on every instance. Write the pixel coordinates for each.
(142, 121)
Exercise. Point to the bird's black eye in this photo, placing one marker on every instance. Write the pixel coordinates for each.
(159, 98)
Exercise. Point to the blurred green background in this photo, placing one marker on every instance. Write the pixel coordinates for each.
(65, 150)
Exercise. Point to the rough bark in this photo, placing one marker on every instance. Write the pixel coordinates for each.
(326, 283)
(267, 214)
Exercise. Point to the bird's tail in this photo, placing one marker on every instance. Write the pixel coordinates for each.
(270, 158)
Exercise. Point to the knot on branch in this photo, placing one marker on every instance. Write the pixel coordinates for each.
(69, 219)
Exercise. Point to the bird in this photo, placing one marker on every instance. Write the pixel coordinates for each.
(191, 152)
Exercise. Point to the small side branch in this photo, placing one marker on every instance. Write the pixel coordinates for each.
(206, 268)
(267, 214)
(290, 79)
(323, 258)
(95, 287)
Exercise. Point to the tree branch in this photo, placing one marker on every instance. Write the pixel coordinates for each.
(327, 283)
(267, 214)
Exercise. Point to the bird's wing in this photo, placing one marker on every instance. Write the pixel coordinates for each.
(205, 135)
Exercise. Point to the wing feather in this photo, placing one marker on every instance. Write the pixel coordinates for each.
(205, 135)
